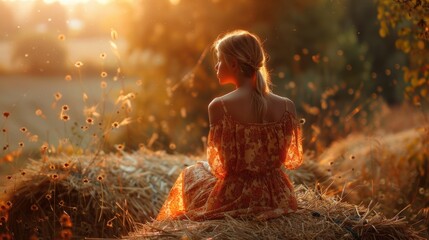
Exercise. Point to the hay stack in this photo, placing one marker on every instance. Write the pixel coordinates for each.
(319, 217)
(87, 197)
(391, 169)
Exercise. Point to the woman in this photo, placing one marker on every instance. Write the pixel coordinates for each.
(253, 133)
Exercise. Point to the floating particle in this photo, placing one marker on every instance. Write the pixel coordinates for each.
(296, 58)
(172, 146)
(349, 67)
(113, 34)
(316, 58)
(388, 72)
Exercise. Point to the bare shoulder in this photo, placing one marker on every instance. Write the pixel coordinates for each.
(215, 110)
(290, 105)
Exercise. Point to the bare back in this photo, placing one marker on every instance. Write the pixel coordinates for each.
(239, 107)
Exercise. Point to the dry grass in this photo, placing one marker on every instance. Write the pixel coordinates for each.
(101, 198)
(391, 169)
(319, 217)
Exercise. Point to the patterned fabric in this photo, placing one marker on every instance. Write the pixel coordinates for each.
(243, 176)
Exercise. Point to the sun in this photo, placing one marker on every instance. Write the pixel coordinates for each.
(73, 2)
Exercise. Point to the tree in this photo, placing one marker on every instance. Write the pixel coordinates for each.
(409, 20)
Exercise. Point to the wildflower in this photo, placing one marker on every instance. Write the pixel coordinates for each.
(352, 157)
(115, 124)
(5, 147)
(78, 64)
(23, 129)
(39, 112)
(103, 55)
(6, 114)
(65, 108)
(65, 220)
(61, 203)
(85, 180)
(9, 177)
(302, 121)
(65, 117)
(90, 121)
(58, 96)
(100, 178)
(48, 196)
(68, 77)
(21, 144)
(4, 130)
(66, 165)
(103, 74)
(119, 147)
(34, 207)
(109, 223)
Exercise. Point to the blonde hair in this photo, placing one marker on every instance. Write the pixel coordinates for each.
(247, 49)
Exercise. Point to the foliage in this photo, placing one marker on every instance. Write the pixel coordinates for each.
(313, 60)
(408, 19)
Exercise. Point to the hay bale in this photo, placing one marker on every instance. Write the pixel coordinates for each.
(391, 169)
(87, 196)
(319, 217)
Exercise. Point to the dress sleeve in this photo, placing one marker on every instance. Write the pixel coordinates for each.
(214, 151)
(294, 153)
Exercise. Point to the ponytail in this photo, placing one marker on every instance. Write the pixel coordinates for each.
(261, 89)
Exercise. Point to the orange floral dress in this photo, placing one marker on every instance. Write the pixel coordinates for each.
(243, 176)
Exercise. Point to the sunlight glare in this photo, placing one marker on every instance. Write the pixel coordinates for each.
(73, 2)
(174, 2)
